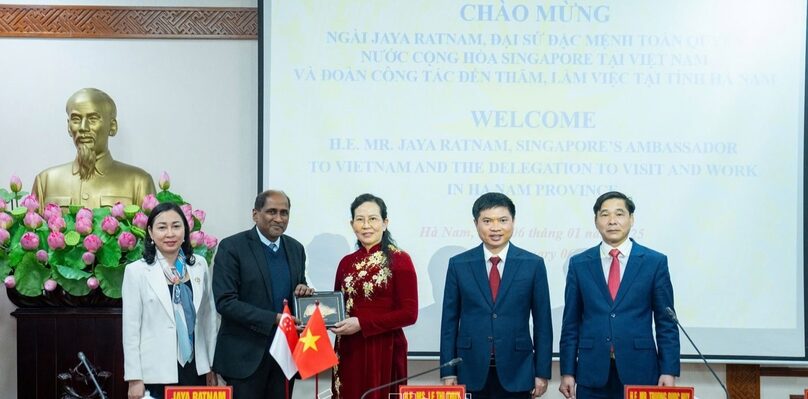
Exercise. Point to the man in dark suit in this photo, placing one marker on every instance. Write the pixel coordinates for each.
(614, 292)
(491, 292)
(253, 272)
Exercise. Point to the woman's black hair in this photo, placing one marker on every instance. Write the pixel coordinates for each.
(387, 238)
(150, 250)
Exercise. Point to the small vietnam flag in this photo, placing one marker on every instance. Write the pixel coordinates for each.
(284, 343)
(314, 352)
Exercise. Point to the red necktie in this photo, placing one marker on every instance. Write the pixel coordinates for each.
(493, 277)
(614, 273)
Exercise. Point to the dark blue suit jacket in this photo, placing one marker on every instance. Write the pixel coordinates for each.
(593, 322)
(472, 322)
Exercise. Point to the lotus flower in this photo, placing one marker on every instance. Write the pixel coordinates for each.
(188, 211)
(165, 181)
(117, 211)
(10, 282)
(42, 256)
(30, 202)
(84, 213)
(32, 220)
(29, 241)
(50, 285)
(4, 236)
(127, 241)
(92, 282)
(84, 226)
(88, 258)
(200, 215)
(57, 223)
(109, 225)
(15, 184)
(140, 220)
(197, 239)
(149, 202)
(92, 243)
(51, 211)
(210, 241)
(5, 220)
(56, 240)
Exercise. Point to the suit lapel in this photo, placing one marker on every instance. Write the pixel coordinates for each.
(512, 264)
(595, 266)
(477, 263)
(257, 249)
(635, 260)
(197, 284)
(157, 282)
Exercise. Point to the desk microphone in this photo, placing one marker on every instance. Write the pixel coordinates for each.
(90, 370)
(453, 362)
(673, 317)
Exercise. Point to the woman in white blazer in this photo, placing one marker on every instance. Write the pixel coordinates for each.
(169, 316)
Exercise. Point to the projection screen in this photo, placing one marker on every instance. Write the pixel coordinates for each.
(693, 108)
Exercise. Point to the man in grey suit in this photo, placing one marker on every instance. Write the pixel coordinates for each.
(253, 272)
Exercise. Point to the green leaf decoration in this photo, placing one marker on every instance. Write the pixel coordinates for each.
(201, 251)
(56, 257)
(43, 238)
(18, 213)
(70, 223)
(111, 279)
(5, 267)
(100, 213)
(16, 231)
(135, 254)
(72, 273)
(6, 195)
(168, 196)
(30, 276)
(16, 255)
(72, 258)
(109, 254)
(77, 287)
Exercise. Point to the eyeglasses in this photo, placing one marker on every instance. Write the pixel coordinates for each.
(373, 221)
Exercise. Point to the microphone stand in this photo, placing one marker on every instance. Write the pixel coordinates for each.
(90, 370)
(452, 362)
(673, 317)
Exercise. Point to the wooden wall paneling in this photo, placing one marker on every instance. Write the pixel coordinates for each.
(128, 22)
(743, 381)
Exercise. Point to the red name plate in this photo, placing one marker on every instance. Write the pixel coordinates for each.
(655, 392)
(199, 393)
(806, 394)
(432, 391)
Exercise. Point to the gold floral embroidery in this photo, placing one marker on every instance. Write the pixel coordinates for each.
(371, 273)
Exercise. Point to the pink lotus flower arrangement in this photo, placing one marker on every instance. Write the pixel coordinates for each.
(44, 247)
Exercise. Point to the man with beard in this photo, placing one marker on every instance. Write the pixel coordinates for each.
(93, 179)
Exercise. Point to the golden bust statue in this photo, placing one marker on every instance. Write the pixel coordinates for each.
(93, 179)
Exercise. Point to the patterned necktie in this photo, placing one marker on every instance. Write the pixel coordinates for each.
(493, 277)
(614, 273)
(273, 247)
